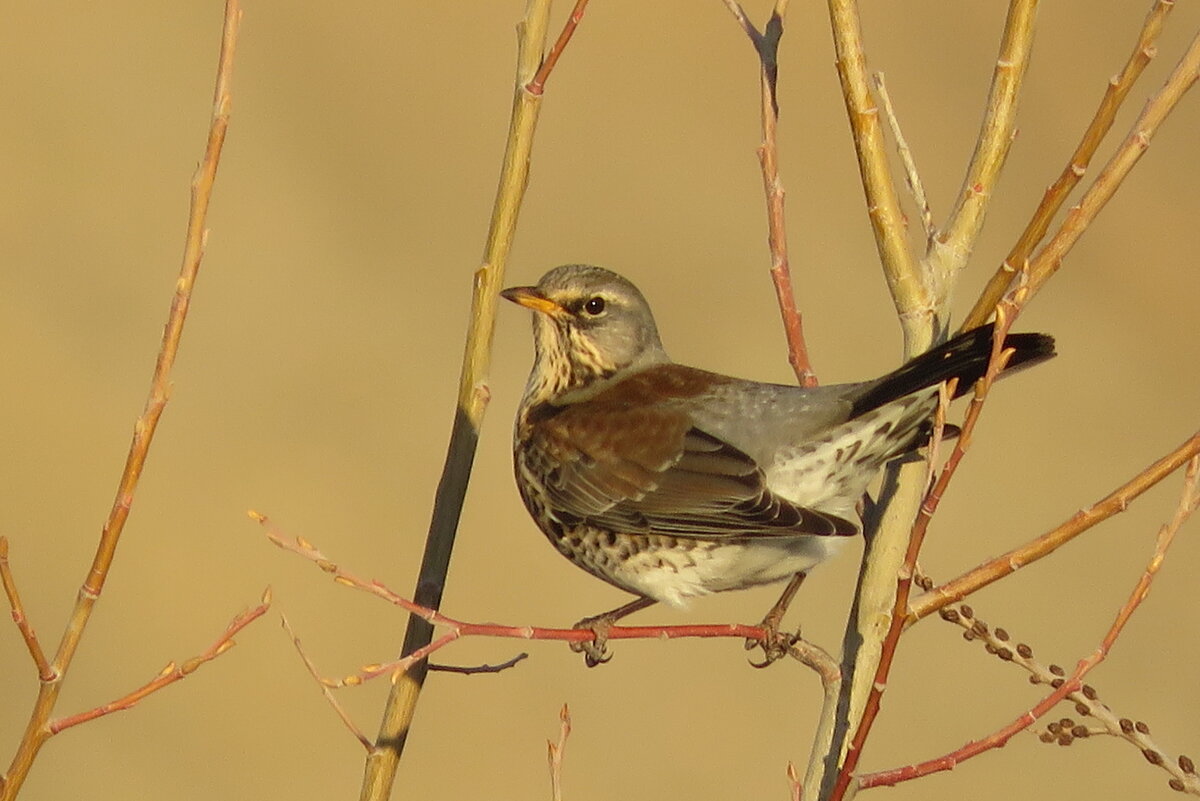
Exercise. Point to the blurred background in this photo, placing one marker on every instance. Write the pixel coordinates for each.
(318, 372)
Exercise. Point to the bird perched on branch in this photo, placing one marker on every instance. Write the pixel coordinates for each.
(672, 482)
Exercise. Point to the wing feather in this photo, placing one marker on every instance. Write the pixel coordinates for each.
(648, 470)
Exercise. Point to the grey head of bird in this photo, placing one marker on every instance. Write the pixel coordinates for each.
(589, 324)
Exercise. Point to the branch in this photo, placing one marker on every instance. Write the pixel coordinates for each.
(906, 158)
(1087, 704)
(37, 731)
(909, 291)
(18, 616)
(555, 753)
(380, 771)
(474, 670)
(766, 44)
(171, 673)
(993, 570)
(538, 84)
(1188, 502)
(1035, 231)
(326, 690)
(459, 628)
(951, 249)
(1182, 78)
(999, 357)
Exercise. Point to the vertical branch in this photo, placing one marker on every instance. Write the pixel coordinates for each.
(766, 44)
(886, 532)
(37, 730)
(900, 266)
(473, 395)
(950, 250)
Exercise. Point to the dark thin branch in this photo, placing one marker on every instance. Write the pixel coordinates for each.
(472, 670)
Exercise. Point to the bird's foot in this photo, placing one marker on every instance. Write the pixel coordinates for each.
(775, 643)
(595, 651)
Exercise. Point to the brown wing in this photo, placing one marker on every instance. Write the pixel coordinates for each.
(648, 470)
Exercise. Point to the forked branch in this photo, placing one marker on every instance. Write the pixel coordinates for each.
(38, 730)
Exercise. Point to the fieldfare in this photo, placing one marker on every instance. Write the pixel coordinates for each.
(672, 482)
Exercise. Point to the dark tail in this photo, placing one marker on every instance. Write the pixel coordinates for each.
(964, 357)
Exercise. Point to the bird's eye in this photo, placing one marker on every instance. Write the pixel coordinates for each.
(594, 306)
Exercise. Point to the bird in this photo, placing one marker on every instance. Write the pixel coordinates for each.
(671, 482)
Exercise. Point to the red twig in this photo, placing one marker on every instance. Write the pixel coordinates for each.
(538, 84)
(171, 673)
(1188, 502)
(766, 44)
(458, 628)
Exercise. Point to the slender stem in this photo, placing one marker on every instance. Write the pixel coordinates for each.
(1184, 509)
(915, 185)
(951, 249)
(473, 394)
(1035, 231)
(1182, 78)
(994, 569)
(171, 673)
(37, 730)
(326, 690)
(538, 84)
(18, 615)
(766, 44)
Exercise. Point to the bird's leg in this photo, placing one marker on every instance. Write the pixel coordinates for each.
(774, 644)
(594, 650)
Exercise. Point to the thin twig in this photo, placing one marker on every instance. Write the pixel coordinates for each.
(766, 44)
(326, 690)
(555, 753)
(37, 730)
(1182, 78)
(472, 670)
(538, 84)
(994, 569)
(171, 673)
(1114, 96)
(380, 771)
(1186, 506)
(794, 784)
(18, 615)
(906, 158)
(998, 642)
(459, 628)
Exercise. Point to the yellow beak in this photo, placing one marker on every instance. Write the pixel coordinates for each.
(531, 298)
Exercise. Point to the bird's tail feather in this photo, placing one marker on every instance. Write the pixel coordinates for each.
(964, 357)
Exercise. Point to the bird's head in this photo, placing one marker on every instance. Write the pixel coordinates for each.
(589, 324)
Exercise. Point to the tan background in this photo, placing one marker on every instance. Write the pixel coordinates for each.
(319, 366)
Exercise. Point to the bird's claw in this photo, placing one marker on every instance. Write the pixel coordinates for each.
(595, 651)
(775, 644)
